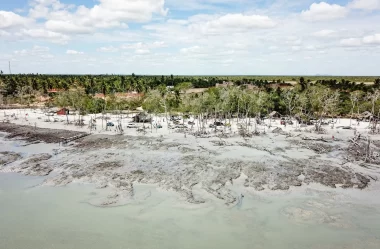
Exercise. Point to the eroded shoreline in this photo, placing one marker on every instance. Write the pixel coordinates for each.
(189, 166)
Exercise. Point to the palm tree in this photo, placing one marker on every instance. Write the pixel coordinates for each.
(303, 84)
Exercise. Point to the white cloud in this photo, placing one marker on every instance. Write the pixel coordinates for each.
(351, 42)
(4, 33)
(359, 42)
(324, 33)
(324, 11)
(67, 27)
(47, 56)
(230, 23)
(292, 40)
(41, 8)
(209, 5)
(41, 49)
(44, 35)
(238, 45)
(35, 52)
(109, 49)
(9, 19)
(107, 14)
(144, 46)
(210, 53)
(179, 22)
(198, 41)
(365, 4)
(142, 51)
(191, 50)
(310, 48)
(157, 44)
(372, 39)
(74, 52)
(296, 48)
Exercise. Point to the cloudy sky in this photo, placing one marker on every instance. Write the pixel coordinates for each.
(243, 37)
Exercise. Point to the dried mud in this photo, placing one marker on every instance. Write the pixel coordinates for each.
(117, 162)
(32, 134)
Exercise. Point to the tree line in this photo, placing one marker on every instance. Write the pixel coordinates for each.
(306, 98)
(11, 84)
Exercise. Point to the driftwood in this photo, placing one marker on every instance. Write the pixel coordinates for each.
(359, 150)
(141, 130)
(314, 139)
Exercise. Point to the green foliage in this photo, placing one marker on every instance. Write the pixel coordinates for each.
(182, 87)
(306, 96)
(154, 102)
(109, 84)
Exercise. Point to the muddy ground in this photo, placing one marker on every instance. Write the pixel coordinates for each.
(216, 166)
(33, 134)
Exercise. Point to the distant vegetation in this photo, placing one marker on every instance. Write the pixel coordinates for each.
(121, 83)
(306, 97)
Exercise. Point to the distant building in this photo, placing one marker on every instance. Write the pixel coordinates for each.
(196, 90)
(250, 87)
(225, 84)
(365, 116)
(43, 98)
(128, 95)
(274, 114)
(55, 90)
(280, 85)
(63, 111)
(99, 96)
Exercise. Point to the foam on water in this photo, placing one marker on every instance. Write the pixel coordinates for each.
(61, 217)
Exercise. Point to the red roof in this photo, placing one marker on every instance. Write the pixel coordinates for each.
(55, 90)
(121, 95)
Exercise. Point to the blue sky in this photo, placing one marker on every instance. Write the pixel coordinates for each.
(261, 37)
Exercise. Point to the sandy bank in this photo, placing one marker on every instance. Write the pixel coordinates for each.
(197, 168)
(33, 134)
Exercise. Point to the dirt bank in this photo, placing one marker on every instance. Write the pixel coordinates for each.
(223, 170)
(31, 134)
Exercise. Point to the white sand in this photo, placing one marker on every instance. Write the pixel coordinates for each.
(307, 216)
(166, 155)
(38, 118)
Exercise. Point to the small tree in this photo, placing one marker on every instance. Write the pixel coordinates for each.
(154, 103)
(373, 97)
(183, 87)
(290, 98)
(354, 98)
(323, 101)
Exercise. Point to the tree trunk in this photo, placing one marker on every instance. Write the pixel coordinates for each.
(368, 149)
(237, 118)
(318, 126)
(352, 115)
(246, 121)
(373, 107)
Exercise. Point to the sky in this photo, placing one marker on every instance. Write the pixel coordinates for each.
(191, 37)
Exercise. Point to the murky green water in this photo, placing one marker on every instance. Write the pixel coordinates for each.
(47, 217)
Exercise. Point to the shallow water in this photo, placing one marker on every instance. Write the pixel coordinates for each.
(61, 217)
(25, 148)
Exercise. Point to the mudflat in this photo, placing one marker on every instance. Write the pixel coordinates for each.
(195, 167)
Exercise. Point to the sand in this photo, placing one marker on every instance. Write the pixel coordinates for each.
(217, 166)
